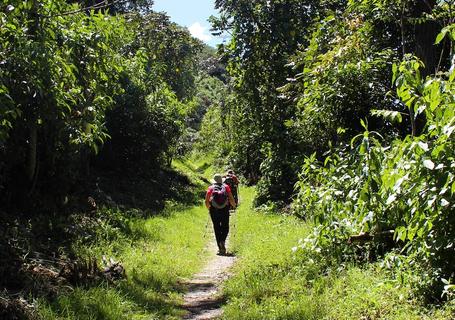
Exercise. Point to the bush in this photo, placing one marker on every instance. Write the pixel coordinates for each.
(406, 186)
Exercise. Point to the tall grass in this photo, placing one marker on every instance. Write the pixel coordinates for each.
(196, 166)
(272, 282)
(156, 253)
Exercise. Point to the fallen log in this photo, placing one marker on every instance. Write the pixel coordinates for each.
(366, 236)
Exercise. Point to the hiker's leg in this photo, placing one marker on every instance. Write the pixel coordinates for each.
(224, 219)
(236, 196)
(216, 224)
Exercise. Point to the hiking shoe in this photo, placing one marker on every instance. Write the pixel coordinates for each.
(222, 248)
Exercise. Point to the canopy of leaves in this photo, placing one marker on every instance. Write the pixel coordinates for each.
(74, 76)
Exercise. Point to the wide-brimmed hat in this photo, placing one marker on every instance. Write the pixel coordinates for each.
(217, 178)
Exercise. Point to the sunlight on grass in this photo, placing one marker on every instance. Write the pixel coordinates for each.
(164, 250)
(198, 166)
(272, 282)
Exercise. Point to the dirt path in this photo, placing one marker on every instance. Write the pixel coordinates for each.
(203, 300)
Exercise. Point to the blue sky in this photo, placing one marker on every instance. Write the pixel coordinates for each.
(192, 14)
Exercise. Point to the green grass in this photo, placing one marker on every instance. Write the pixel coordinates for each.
(156, 253)
(193, 171)
(272, 282)
(197, 166)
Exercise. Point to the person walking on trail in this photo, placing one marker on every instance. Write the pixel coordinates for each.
(233, 182)
(219, 200)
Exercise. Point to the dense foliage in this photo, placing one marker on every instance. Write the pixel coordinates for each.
(82, 89)
(93, 103)
(265, 35)
(342, 109)
(405, 186)
(302, 70)
(273, 282)
(328, 94)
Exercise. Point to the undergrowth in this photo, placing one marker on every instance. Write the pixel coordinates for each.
(276, 279)
(156, 249)
(155, 253)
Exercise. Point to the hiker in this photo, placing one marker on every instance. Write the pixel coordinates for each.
(219, 200)
(233, 182)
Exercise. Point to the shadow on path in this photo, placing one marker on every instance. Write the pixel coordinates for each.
(203, 299)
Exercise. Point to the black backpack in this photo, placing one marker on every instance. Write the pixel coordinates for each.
(219, 197)
(229, 180)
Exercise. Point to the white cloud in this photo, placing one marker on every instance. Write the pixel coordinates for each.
(200, 32)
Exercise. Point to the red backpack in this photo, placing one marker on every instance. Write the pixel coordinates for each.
(219, 197)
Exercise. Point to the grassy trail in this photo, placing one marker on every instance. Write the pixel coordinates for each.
(269, 281)
(203, 299)
(157, 253)
(273, 281)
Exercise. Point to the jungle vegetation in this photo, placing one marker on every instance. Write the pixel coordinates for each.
(340, 112)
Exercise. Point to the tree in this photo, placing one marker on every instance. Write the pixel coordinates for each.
(264, 35)
(58, 74)
(72, 79)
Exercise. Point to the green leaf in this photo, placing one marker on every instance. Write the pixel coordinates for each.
(441, 35)
(395, 72)
(341, 130)
(392, 116)
(400, 233)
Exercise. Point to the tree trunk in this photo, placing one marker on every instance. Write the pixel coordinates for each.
(32, 152)
(425, 35)
(33, 127)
